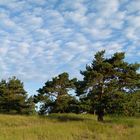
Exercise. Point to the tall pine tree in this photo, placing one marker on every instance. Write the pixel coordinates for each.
(106, 79)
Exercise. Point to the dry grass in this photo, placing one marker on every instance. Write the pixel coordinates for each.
(68, 127)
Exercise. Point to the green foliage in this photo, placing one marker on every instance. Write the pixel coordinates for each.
(30, 106)
(106, 79)
(131, 105)
(13, 97)
(54, 95)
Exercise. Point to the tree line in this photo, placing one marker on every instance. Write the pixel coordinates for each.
(109, 86)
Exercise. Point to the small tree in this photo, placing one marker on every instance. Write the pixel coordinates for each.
(131, 105)
(30, 106)
(54, 96)
(106, 79)
(13, 97)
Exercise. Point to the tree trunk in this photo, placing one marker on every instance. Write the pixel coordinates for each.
(100, 112)
(100, 116)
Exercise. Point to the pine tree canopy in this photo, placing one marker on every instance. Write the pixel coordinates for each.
(13, 97)
(105, 78)
(55, 94)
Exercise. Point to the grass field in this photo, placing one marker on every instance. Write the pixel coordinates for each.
(68, 127)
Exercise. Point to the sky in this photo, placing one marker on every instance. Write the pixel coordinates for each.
(40, 39)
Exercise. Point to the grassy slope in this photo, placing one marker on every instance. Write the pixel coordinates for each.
(68, 127)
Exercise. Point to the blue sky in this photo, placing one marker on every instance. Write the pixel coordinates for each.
(42, 38)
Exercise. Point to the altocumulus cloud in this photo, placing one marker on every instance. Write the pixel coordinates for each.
(41, 38)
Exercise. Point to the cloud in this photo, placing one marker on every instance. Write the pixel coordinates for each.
(41, 38)
(133, 6)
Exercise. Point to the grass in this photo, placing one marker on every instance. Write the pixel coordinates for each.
(68, 127)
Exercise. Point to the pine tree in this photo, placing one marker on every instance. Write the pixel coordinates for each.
(54, 96)
(13, 97)
(106, 80)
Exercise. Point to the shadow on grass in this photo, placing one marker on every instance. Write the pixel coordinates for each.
(65, 117)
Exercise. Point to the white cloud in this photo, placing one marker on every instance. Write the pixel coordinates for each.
(41, 38)
(133, 6)
(23, 48)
